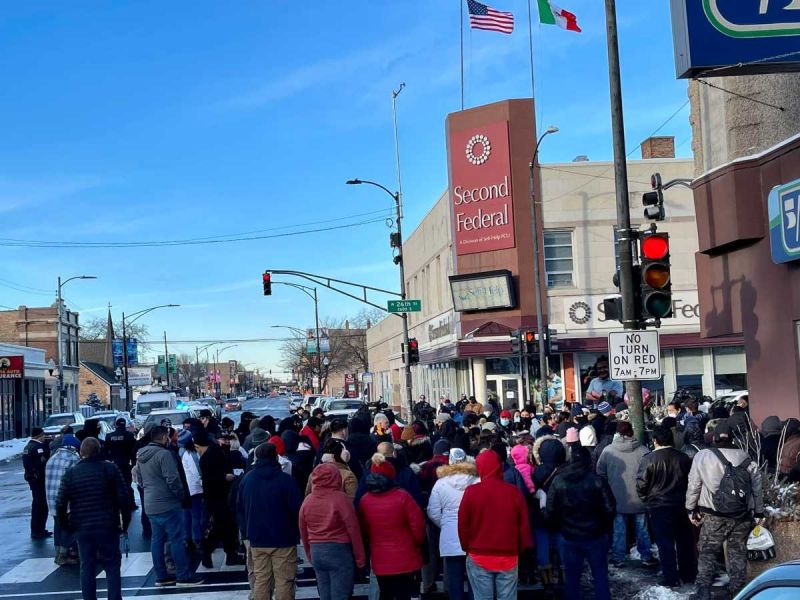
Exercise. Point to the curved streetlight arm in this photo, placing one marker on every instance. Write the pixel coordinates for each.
(304, 288)
(142, 313)
(297, 330)
(549, 130)
(66, 281)
(394, 195)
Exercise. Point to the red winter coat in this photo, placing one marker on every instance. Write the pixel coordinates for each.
(394, 526)
(311, 435)
(493, 516)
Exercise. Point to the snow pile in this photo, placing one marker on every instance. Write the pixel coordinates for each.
(634, 553)
(11, 449)
(657, 592)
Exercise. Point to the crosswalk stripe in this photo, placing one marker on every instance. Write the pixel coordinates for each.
(30, 570)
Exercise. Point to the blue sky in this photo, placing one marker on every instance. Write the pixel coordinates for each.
(152, 120)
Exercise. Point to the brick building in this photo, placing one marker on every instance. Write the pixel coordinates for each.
(38, 328)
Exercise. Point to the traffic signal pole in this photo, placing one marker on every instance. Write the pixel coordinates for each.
(630, 320)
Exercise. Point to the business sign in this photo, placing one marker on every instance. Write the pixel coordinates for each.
(404, 306)
(139, 376)
(634, 355)
(480, 189)
(117, 353)
(763, 36)
(12, 367)
(324, 343)
(173, 364)
(586, 313)
(492, 290)
(784, 222)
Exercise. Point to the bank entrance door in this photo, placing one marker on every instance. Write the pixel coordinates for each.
(506, 388)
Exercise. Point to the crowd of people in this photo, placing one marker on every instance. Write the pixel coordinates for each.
(487, 497)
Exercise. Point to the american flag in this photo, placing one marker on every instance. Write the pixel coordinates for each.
(485, 17)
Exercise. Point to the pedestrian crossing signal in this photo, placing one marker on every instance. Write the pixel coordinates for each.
(267, 279)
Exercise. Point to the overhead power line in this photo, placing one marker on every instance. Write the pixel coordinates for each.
(243, 237)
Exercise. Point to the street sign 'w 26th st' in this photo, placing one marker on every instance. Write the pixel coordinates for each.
(749, 36)
(404, 306)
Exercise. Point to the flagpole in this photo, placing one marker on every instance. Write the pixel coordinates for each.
(530, 46)
(461, 5)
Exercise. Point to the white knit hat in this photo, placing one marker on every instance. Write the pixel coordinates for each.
(588, 437)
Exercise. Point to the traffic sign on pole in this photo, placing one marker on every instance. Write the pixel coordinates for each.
(404, 306)
(634, 355)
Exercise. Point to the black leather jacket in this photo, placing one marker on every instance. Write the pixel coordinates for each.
(663, 477)
(580, 504)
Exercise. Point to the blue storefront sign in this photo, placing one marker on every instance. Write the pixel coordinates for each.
(116, 350)
(749, 36)
(784, 222)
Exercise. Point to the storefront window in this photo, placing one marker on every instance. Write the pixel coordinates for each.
(689, 371)
(558, 258)
(730, 370)
(507, 365)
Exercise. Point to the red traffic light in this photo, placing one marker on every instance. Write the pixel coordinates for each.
(266, 277)
(413, 344)
(655, 247)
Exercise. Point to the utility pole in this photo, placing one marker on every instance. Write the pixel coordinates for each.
(128, 402)
(406, 360)
(319, 348)
(630, 320)
(166, 359)
(60, 353)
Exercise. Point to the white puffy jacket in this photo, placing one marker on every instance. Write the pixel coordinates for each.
(445, 500)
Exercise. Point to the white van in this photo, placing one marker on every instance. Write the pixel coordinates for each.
(147, 403)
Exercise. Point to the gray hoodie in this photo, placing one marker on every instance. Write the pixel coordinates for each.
(619, 465)
(157, 473)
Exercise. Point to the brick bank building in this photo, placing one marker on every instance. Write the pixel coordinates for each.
(470, 261)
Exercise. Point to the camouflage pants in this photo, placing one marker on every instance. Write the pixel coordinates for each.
(715, 532)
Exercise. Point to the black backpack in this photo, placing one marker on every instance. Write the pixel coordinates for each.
(735, 488)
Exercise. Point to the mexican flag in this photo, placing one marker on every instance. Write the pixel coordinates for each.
(550, 14)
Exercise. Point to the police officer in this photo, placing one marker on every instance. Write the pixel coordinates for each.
(34, 459)
(121, 448)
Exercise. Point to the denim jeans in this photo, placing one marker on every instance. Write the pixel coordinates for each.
(545, 540)
(619, 546)
(62, 537)
(455, 569)
(193, 520)
(105, 544)
(488, 584)
(573, 555)
(169, 526)
(334, 566)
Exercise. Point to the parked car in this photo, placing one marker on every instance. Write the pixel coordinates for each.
(342, 408)
(311, 400)
(53, 424)
(175, 416)
(110, 418)
(778, 583)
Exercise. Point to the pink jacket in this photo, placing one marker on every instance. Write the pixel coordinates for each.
(519, 454)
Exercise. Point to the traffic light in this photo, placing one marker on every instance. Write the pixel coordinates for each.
(516, 342)
(552, 341)
(530, 343)
(656, 282)
(413, 351)
(653, 202)
(267, 278)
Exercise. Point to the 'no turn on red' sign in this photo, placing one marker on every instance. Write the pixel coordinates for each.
(634, 355)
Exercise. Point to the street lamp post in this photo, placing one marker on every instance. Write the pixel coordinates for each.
(197, 351)
(399, 260)
(308, 291)
(302, 334)
(219, 350)
(125, 322)
(59, 339)
(537, 281)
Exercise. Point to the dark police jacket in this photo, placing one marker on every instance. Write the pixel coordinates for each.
(34, 458)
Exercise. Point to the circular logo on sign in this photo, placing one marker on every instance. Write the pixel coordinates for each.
(478, 149)
(580, 312)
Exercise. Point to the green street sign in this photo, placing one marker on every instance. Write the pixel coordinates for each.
(405, 306)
